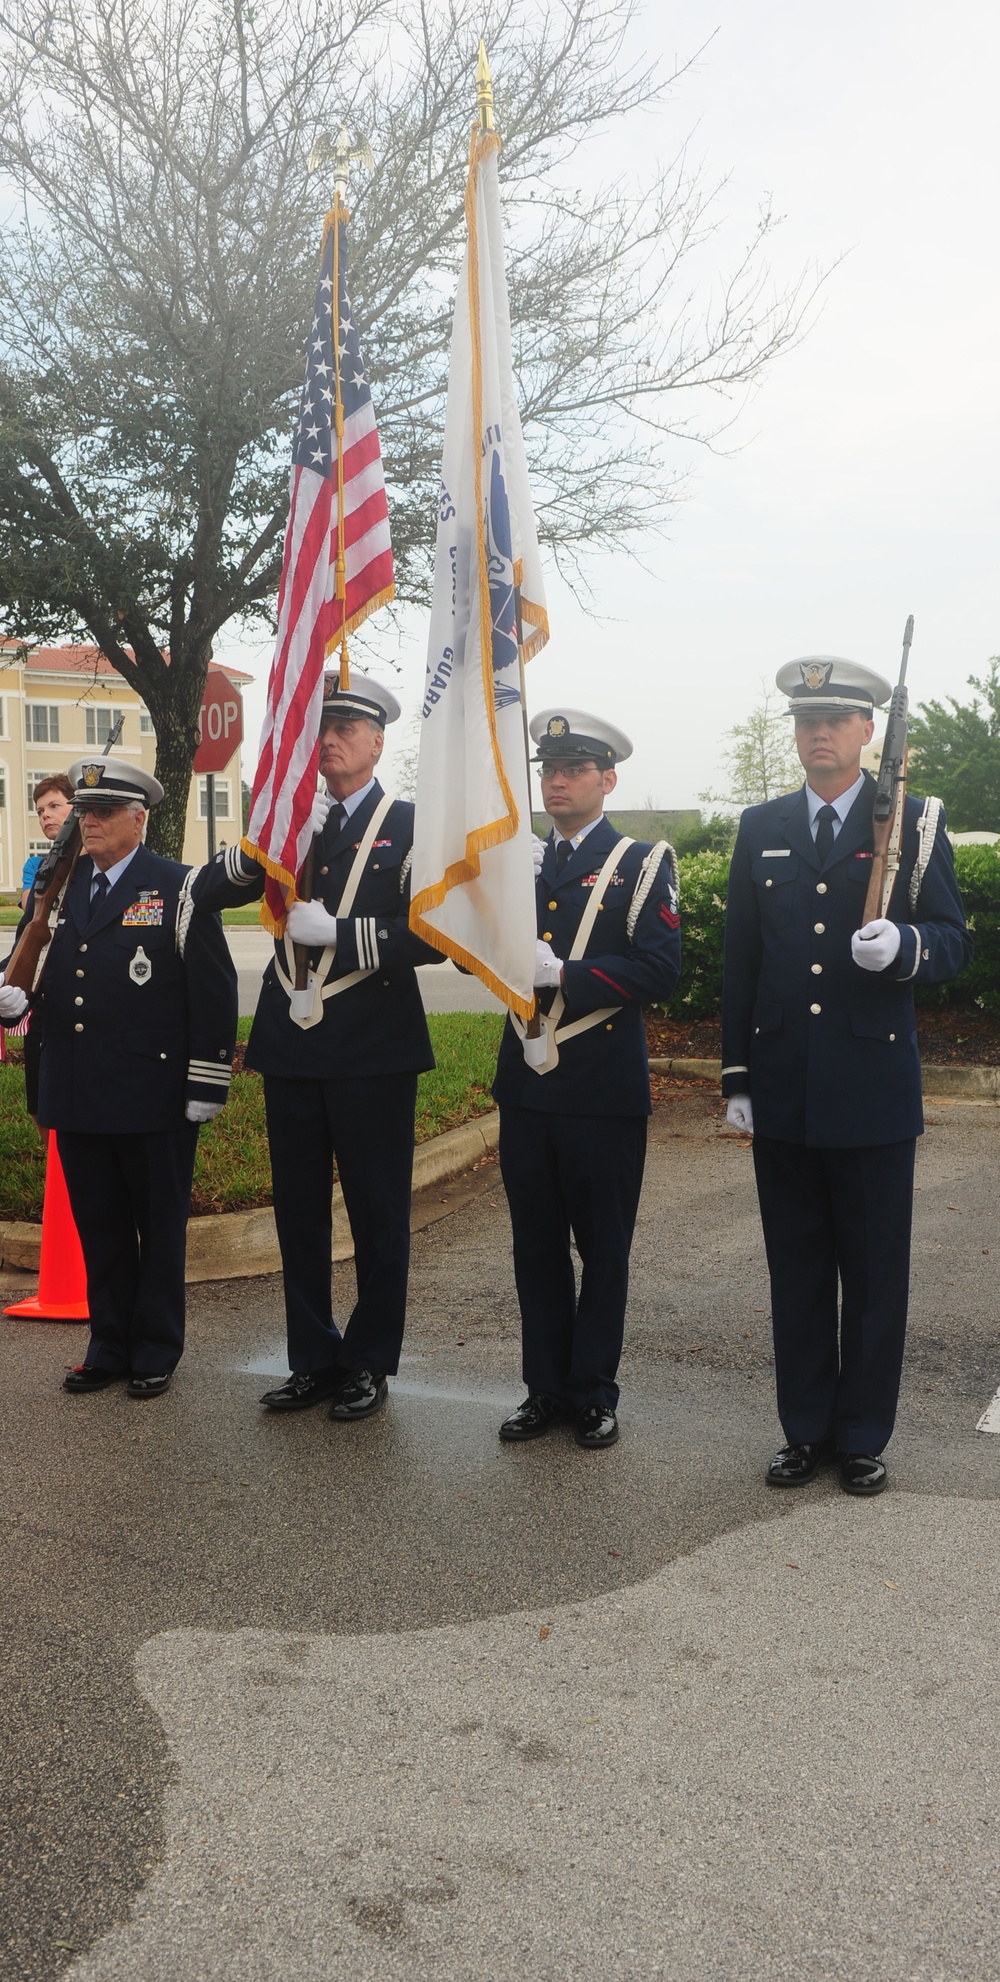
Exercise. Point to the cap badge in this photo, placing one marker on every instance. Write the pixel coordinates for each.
(92, 774)
(814, 675)
(557, 726)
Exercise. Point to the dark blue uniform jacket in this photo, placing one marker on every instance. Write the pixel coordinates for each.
(377, 1026)
(604, 1071)
(130, 1031)
(828, 1051)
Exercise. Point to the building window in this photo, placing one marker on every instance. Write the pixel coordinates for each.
(223, 790)
(145, 723)
(34, 780)
(41, 723)
(100, 723)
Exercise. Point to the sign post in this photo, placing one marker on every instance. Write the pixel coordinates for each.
(220, 733)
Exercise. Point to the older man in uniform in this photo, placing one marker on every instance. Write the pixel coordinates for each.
(574, 1107)
(138, 1005)
(820, 1063)
(342, 1081)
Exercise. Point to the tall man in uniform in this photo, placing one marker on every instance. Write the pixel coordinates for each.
(573, 1118)
(820, 1063)
(137, 1007)
(343, 1085)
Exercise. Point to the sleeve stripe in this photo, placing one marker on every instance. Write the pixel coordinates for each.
(916, 958)
(733, 1070)
(367, 945)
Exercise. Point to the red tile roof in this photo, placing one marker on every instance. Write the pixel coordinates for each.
(84, 660)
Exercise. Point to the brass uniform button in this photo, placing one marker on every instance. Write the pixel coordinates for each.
(78, 1001)
(769, 884)
(817, 970)
(78, 1028)
(819, 928)
(553, 904)
(815, 1008)
(546, 935)
(821, 887)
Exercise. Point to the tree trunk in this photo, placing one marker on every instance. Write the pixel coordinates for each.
(174, 705)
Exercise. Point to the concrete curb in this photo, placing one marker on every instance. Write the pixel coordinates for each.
(237, 1245)
(939, 1083)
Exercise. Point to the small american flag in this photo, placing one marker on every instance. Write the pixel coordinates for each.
(315, 612)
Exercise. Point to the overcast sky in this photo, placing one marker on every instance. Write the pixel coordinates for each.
(864, 482)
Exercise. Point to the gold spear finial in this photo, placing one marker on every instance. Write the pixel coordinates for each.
(484, 89)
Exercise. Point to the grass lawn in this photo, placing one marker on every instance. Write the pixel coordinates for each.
(232, 1171)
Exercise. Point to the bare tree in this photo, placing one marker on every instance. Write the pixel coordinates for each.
(156, 285)
(761, 761)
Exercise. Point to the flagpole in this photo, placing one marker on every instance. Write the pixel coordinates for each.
(484, 104)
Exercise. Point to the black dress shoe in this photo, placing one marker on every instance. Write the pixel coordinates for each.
(532, 1419)
(82, 1378)
(359, 1395)
(300, 1393)
(862, 1472)
(795, 1464)
(148, 1386)
(596, 1427)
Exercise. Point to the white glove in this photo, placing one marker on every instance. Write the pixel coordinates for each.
(876, 946)
(548, 967)
(537, 853)
(739, 1113)
(320, 807)
(203, 1111)
(309, 923)
(13, 1002)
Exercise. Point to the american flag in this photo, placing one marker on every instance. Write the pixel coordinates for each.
(312, 619)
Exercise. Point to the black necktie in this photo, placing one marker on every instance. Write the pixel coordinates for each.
(98, 889)
(563, 850)
(824, 831)
(336, 816)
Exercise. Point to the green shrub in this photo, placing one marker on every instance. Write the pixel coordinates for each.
(703, 913)
(978, 871)
(704, 879)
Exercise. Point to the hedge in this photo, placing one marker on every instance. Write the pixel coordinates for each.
(704, 879)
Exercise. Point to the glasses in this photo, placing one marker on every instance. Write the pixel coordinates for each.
(567, 770)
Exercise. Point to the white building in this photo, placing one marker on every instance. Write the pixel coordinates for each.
(56, 704)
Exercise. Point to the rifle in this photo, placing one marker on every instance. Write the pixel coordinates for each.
(27, 959)
(890, 793)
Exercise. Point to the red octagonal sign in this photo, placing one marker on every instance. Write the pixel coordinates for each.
(220, 723)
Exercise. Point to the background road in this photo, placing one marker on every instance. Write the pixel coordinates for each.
(287, 1699)
(444, 989)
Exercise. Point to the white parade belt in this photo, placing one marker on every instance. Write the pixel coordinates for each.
(542, 1054)
(320, 986)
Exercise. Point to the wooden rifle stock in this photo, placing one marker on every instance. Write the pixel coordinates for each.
(27, 958)
(890, 796)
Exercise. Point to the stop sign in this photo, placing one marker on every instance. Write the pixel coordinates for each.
(220, 723)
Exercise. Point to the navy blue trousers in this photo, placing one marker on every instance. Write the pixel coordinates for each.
(837, 1216)
(579, 1174)
(130, 1197)
(368, 1125)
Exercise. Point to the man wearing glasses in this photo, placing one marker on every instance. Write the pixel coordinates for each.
(574, 1102)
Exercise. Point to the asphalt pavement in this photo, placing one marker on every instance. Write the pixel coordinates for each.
(442, 987)
(289, 1699)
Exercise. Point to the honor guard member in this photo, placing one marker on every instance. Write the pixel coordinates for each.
(341, 1081)
(574, 1104)
(820, 1063)
(137, 1009)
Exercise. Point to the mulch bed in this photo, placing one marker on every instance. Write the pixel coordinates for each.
(949, 1036)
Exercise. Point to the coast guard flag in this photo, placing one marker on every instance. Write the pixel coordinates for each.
(332, 577)
(473, 879)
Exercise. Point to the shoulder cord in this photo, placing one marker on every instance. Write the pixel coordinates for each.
(185, 910)
(404, 872)
(647, 875)
(927, 829)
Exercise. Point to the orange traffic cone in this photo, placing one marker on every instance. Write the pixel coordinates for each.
(62, 1276)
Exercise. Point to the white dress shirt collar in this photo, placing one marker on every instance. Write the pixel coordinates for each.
(357, 798)
(841, 805)
(113, 874)
(578, 838)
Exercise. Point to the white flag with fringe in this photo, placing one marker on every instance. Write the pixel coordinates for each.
(473, 878)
